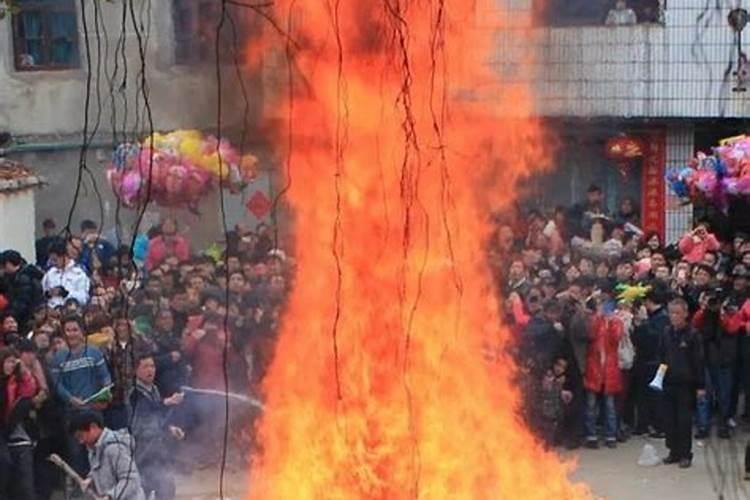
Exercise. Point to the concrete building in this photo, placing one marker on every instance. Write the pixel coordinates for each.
(17, 186)
(66, 74)
(670, 79)
(111, 73)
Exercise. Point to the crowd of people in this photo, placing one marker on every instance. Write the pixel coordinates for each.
(617, 334)
(117, 358)
(125, 351)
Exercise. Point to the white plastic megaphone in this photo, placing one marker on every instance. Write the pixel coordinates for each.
(656, 383)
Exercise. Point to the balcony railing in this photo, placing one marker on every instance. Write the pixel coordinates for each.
(562, 13)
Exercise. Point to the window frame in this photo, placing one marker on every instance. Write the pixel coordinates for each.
(541, 18)
(185, 45)
(47, 9)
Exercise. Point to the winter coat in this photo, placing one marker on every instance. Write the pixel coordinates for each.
(577, 336)
(25, 292)
(113, 469)
(736, 322)
(540, 344)
(602, 369)
(720, 344)
(101, 250)
(170, 374)
(206, 356)
(80, 374)
(18, 415)
(17, 387)
(646, 340)
(149, 424)
(694, 251)
(159, 249)
(42, 247)
(121, 362)
(682, 352)
(73, 279)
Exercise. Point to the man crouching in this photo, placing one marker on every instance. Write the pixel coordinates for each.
(113, 474)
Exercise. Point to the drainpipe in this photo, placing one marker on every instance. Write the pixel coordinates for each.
(47, 147)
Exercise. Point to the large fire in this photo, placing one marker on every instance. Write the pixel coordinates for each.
(402, 142)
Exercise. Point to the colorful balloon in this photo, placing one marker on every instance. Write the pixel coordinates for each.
(177, 168)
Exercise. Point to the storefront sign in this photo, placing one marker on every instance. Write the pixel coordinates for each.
(652, 183)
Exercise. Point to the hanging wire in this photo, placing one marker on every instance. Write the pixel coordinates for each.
(222, 209)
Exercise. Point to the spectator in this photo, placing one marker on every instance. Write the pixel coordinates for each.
(121, 360)
(715, 323)
(696, 243)
(603, 380)
(168, 243)
(682, 353)
(561, 392)
(517, 278)
(78, 375)
(628, 214)
(96, 251)
(9, 330)
(43, 244)
(652, 322)
(621, 15)
(23, 283)
(64, 279)
(20, 388)
(170, 365)
(584, 214)
(653, 241)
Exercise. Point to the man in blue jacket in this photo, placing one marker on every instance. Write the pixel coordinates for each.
(78, 375)
(96, 251)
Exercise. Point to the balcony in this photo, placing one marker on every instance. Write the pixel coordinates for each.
(679, 67)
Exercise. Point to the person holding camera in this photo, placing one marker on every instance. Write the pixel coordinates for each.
(65, 279)
(720, 343)
(694, 245)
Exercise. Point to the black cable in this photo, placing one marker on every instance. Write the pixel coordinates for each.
(289, 52)
(222, 208)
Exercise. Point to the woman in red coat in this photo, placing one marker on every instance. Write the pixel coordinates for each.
(603, 379)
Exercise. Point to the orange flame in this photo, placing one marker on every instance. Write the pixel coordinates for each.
(401, 142)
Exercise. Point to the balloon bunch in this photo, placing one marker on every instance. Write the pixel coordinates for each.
(717, 177)
(177, 169)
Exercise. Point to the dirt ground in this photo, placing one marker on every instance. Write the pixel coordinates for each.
(614, 474)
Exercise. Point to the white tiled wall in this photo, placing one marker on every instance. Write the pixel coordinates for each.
(679, 218)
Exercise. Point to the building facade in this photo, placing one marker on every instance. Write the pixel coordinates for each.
(110, 73)
(670, 78)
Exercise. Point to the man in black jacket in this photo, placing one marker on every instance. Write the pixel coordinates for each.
(647, 341)
(23, 283)
(720, 347)
(682, 351)
(153, 431)
(171, 371)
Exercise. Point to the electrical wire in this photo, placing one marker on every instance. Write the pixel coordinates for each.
(222, 209)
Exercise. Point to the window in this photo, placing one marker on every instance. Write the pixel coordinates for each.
(45, 35)
(593, 12)
(195, 23)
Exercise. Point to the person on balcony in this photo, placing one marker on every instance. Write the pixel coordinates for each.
(621, 15)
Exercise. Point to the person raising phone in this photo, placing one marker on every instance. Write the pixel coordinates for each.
(697, 242)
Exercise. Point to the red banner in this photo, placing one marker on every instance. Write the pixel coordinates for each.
(653, 207)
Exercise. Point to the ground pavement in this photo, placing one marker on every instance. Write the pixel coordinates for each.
(614, 474)
(718, 469)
